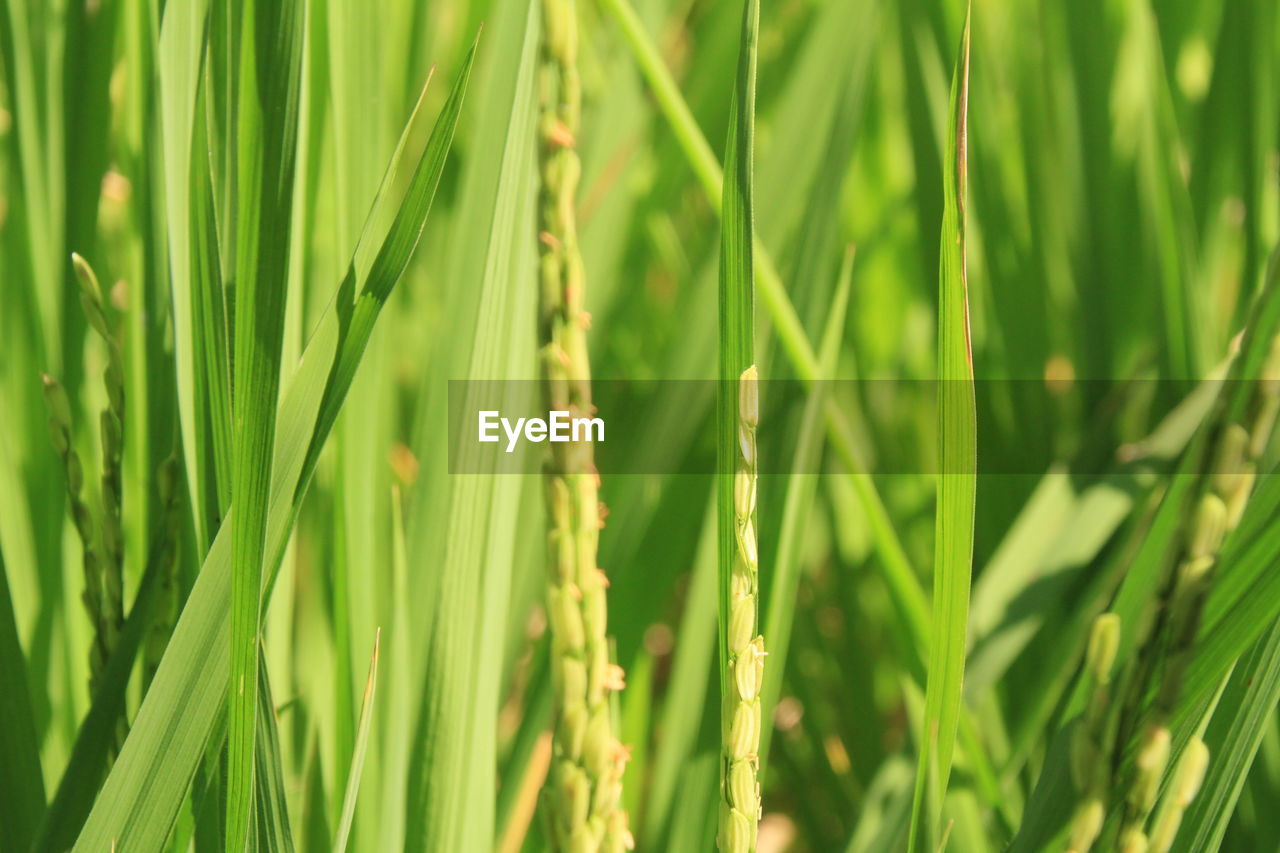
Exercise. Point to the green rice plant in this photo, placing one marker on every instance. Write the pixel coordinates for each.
(584, 789)
(957, 481)
(742, 650)
(1034, 612)
(1233, 738)
(1228, 483)
(1094, 737)
(908, 594)
(313, 395)
(1143, 753)
(102, 544)
(797, 506)
(60, 430)
(449, 798)
(111, 536)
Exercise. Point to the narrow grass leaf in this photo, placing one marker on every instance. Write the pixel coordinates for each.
(957, 485)
(180, 55)
(362, 294)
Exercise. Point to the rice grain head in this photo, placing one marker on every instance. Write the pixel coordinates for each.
(584, 786)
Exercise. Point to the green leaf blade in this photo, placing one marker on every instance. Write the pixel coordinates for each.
(957, 486)
(267, 114)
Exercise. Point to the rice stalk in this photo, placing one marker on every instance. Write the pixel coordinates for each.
(1094, 737)
(103, 549)
(585, 782)
(1140, 710)
(737, 416)
(1227, 486)
(900, 577)
(112, 435)
(740, 806)
(60, 431)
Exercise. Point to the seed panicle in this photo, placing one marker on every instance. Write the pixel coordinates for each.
(584, 788)
(740, 805)
(59, 407)
(1226, 485)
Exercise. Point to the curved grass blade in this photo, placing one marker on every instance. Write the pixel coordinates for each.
(957, 487)
(145, 789)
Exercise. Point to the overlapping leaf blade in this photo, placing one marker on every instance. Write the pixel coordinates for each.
(142, 795)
